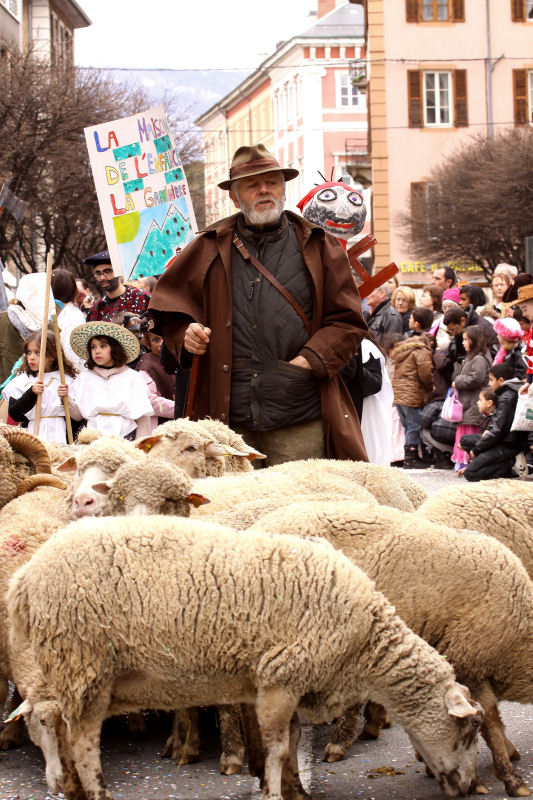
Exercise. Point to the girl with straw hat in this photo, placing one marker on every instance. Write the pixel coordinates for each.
(112, 397)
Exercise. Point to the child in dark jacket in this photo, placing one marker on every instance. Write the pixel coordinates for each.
(493, 452)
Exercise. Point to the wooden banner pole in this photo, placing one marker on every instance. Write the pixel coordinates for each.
(61, 368)
(42, 354)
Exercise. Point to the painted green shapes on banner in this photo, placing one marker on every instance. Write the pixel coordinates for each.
(132, 186)
(174, 175)
(127, 227)
(129, 150)
(163, 144)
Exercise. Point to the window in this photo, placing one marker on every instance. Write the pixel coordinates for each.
(13, 6)
(347, 94)
(522, 10)
(523, 96)
(435, 10)
(425, 199)
(437, 99)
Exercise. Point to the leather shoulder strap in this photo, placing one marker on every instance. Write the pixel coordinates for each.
(243, 250)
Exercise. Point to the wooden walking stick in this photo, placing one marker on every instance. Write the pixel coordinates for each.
(42, 354)
(193, 384)
(68, 423)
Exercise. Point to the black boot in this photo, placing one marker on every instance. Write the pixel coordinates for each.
(411, 460)
(443, 460)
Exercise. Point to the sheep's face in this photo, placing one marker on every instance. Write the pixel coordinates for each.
(449, 745)
(193, 453)
(39, 719)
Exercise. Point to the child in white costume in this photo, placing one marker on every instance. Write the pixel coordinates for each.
(22, 392)
(111, 396)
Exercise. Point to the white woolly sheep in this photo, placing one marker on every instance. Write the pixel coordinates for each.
(466, 594)
(274, 621)
(200, 448)
(239, 501)
(500, 508)
(389, 485)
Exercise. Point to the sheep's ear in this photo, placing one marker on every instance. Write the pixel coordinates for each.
(215, 449)
(457, 702)
(70, 465)
(197, 499)
(102, 488)
(147, 442)
(25, 708)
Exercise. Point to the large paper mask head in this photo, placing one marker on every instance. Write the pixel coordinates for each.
(336, 207)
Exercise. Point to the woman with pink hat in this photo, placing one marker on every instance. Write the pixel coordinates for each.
(509, 335)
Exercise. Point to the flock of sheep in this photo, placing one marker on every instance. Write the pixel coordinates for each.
(229, 593)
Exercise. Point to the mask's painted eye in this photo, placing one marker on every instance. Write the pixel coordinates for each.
(327, 195)
(355, 198)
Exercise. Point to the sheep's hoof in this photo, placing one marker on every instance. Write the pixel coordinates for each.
(230, 764)
(369, 732)
(177, 752)
(478, 787)
(334, 752)
(516, 787)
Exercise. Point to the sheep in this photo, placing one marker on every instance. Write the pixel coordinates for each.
(467, 594)
(21, 455)
(501, 508)
(200, 448)
(389, 485)
(274, 621)
(238, 501)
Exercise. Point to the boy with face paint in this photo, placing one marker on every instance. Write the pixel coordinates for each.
(116, 297)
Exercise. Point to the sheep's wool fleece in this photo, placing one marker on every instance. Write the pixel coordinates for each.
(203, 613)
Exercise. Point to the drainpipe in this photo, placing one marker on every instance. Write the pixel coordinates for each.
(490, 66)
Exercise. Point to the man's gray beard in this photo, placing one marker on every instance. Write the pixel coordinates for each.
(263, 217)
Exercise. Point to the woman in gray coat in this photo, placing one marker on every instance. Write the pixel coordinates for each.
(470, 377)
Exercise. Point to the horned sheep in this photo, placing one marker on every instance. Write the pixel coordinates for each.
(274, 621)
(465, 593)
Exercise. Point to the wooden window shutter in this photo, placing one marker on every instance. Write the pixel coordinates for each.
(520, 103)
(414, 96)
(460, 98)
(518, 10)
(411, 10)
(458, 11)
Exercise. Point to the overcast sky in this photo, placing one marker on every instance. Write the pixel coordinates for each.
(186, 34)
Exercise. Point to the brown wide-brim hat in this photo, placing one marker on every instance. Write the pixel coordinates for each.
(254, 160)
(524, 293)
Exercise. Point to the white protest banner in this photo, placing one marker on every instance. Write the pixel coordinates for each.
(142, 191)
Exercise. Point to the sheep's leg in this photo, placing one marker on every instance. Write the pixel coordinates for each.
(255, 750)
(137, 726)
(12, 733)
(84, 740)
(231, 739)
(291, 786)
(493, 733)
(343, 734)
(375, 720)
(275, 707)
(183, 744)
(72, 787)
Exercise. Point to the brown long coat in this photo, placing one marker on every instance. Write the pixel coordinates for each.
(198, 284)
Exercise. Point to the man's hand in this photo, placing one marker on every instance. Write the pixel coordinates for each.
(300, 361)
(196, 338)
